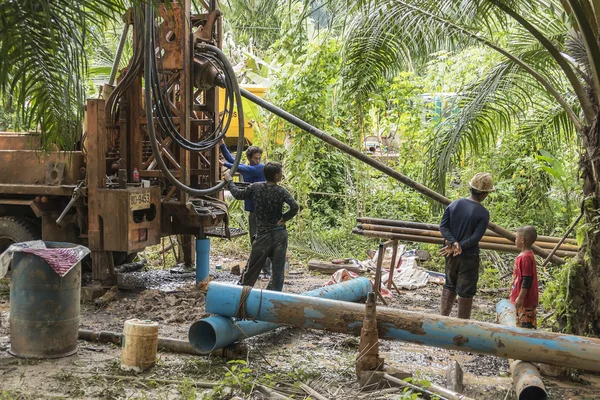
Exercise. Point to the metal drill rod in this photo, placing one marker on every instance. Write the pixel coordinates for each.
(377, 165)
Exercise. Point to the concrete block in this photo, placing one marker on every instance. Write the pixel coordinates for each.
(454, 377)
(373, 380)
(91, 293)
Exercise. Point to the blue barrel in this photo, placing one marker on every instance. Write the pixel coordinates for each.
(44, 308)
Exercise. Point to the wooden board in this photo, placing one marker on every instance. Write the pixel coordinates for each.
(329, 268)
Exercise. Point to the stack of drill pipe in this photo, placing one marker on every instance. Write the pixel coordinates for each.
(429, 233)
(435, 227)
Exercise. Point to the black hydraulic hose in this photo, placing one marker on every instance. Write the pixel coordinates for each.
(165, 122)
(149, 60)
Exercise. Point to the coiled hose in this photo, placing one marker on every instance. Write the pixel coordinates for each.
(155, 98)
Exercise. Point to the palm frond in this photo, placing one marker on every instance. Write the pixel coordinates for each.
(387, 37)
(43, 62)
(506, 99)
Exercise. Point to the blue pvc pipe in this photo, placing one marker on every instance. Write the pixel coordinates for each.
(526, 377)
(425, 329)
(202, 259)
(212, 333)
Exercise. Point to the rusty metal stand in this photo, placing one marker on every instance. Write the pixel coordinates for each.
(368, 352)
(393, 268)
(380, 256)
(377, 284)
(188, 250)
(392, 264)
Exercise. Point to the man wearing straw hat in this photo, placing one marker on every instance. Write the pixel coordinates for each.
(462, 226)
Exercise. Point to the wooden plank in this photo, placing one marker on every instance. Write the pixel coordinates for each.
(329, 268)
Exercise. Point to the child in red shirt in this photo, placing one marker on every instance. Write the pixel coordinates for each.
(524, 290)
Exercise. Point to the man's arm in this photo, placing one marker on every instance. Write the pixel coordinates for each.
(445, 227)
(226, 154)
(478, 233)
(241, 167)
(289, 200)
(236, 192)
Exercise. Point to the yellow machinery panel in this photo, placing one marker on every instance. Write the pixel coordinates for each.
(251, 115)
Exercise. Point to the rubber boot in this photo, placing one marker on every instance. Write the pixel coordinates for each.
(464, 307)
(448, 298)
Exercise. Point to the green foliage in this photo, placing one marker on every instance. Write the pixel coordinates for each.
(238, 380)
(414, 394)
(6, 395)
(557, 296)
(9, 121)
(187, 389)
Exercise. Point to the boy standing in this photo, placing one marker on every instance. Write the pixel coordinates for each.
(524, 289)
(462, 226)
(271, 236)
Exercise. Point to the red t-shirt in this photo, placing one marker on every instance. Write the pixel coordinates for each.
(525, 266)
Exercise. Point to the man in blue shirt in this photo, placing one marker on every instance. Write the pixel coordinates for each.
(252, 173)
(462, 226)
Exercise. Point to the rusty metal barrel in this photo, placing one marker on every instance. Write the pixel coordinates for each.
(44, 307)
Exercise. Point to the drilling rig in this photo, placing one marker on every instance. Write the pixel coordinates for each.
(147, 165)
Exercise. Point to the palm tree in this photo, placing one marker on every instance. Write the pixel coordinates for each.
(43, 61)
(548, 83)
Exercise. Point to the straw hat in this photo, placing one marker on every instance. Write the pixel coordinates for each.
(482, 182)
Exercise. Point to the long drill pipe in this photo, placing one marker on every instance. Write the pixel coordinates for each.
(212, 333)
(421, 328)
(485, 238)
(526, 378)
(165, 344)
(435, 227)
(439, 240)
(378, 165)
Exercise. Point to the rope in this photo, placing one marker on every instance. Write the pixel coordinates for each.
(240, 313)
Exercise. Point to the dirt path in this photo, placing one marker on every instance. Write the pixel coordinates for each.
(281, 358)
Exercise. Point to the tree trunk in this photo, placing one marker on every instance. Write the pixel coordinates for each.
(583, 318)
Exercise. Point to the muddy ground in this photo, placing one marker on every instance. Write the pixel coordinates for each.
(281, 359)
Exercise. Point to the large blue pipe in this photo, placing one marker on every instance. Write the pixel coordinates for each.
(526, 378)
(426, 329)
(202, 259)
(212, 333)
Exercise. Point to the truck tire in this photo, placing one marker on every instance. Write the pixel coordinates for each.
(16, 230)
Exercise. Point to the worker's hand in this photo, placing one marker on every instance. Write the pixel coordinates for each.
(281, 222)
(221, 162)
(519, 302)
(456, 249)
(227, 177)
(222, 141)
(446, 251)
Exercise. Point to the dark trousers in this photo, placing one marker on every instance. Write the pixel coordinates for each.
(462, 274)
(252, 228)
(273, 245)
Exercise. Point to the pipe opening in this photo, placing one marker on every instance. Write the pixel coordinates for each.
(202, 337)
(533, 393)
